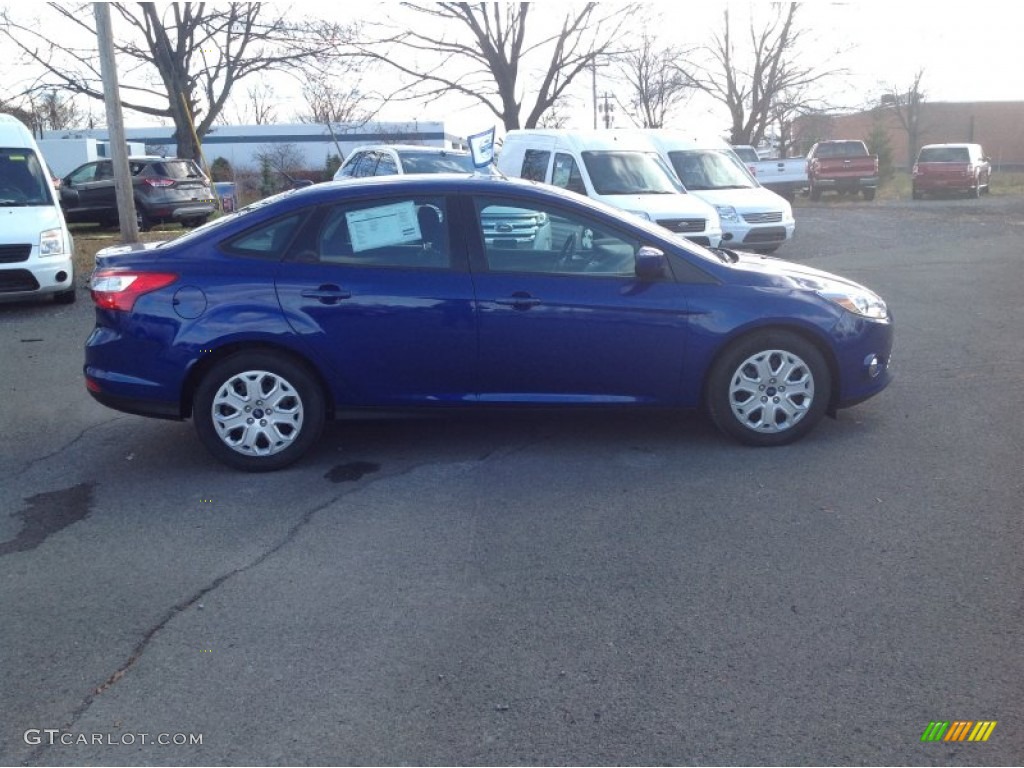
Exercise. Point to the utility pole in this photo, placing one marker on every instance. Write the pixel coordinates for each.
(115, 126)
(593, 86)
(606, 110)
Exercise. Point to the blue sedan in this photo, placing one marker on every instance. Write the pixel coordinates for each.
(466, 291)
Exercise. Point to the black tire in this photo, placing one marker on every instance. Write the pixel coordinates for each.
(193, 223)
(869, 193)
(976, 192)
(294, 389)
(815, 194)
(65, 297)
(142, 218)
(917, 195)
(760, 419)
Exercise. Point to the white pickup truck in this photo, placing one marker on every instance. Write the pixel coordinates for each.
(786, 177)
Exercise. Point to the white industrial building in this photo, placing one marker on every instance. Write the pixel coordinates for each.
(240, 144)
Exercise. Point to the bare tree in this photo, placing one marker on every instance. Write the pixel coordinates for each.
(751, 81)
(331, 102)
(909, 105)
(656, 84)
(56, 112)
(190, 56)
(495, 53)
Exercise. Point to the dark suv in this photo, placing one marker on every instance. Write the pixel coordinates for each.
(166, 189)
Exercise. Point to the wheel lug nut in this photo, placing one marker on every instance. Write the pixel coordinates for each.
(761, 388)
(775, 399)
(764, 399)
(263, 422)
(248, 408)
(249, 421)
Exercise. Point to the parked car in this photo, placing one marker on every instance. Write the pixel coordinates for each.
(752, 217)
(842, 166)
(385, 294)
(165, 190)
(392, 159)
(785, 177)
(951, 168)
(620, 168)
(35, 245)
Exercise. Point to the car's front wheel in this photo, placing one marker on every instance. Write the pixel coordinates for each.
(258, 411)
(769, 388)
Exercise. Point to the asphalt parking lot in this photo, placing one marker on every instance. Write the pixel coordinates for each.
(540, 589)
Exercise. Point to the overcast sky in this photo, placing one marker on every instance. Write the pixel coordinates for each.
(968, 51)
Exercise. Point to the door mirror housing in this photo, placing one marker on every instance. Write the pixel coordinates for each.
(651, 263)
(68, 197)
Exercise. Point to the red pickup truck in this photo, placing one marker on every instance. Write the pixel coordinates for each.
(842, 166)
(957, 168)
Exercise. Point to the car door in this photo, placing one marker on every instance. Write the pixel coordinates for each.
(573, 323)
(88, 181)
(380, 292)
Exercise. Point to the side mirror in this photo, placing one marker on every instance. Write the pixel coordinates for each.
(68, 197)
(650, 263)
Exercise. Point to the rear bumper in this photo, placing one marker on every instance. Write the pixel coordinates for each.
(852, 182)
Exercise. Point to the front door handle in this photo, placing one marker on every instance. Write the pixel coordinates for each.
(327, 294)
(519, 301)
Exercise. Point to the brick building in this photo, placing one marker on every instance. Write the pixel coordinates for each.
(997, 125)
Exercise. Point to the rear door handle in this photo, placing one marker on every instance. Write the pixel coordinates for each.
(327, 294)
(519, 301)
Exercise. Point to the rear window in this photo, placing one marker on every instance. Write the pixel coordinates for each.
(436, 162)
(841, 149)
(23, 179)
(944, 155)
(170, 169)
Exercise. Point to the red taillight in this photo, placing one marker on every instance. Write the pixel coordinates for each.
(159, 182)
(112, 289)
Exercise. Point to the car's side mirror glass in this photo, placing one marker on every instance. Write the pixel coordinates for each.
(69, 197)
(650, 263)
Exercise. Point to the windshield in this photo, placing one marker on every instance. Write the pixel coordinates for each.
(221, 221)
(702, 169)
(618, 172)
(841, 149)
(944, 155)
(436, 162)
(24, 181)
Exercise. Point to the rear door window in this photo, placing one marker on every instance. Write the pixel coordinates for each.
(535, 165)
(566, 174)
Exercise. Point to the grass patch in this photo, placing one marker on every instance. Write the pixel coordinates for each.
(90, 239)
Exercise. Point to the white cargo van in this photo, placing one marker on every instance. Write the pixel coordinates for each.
(619, 168)
(35, 245)
(753, 218)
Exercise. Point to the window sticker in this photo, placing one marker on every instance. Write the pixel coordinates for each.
(383, 225)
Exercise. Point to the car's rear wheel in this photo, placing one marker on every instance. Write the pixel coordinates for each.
(815, 193)
(142, 219)
(769, 388)
(258, 411)
(192, 223)
(869, 194)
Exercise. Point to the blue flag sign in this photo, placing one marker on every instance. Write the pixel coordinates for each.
(481, 147)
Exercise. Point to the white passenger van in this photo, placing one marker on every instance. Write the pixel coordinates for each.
(35, 245)
(753, 218)
(619, 168)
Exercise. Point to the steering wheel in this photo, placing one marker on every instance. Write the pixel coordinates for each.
(565, 255)
(12, 193)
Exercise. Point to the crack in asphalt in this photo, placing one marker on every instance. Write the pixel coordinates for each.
(289, 536)
(30, 464)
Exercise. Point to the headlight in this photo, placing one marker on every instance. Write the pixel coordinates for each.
(727, 213)
(863, 303)
(51, 243)
(641, 214)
